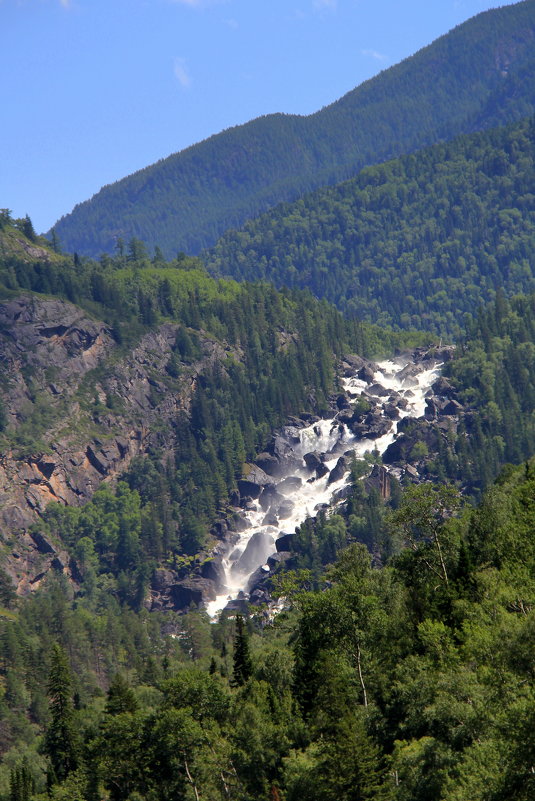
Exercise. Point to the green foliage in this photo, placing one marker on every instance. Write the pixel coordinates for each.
(61, 742)
(186, 201)
(494, 373)
(385, 684)
(243, 667)
(414, 243)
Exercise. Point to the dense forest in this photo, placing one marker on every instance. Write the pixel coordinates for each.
(243, 356)
(410, 682)
(391, 656)
(409, 679)
(416, 242)
(477, 76)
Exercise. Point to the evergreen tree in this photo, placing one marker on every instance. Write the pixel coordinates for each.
(120, 697)
(61, 740)
(243, 666)
(21, 783)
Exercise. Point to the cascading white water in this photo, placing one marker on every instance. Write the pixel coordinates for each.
(299, 496)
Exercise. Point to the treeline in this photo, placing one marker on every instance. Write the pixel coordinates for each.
(413, 682)
(477, 76)
(417, 242)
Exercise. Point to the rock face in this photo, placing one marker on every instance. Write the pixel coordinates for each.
(78, 423)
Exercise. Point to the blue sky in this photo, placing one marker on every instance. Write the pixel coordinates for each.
(93, 90)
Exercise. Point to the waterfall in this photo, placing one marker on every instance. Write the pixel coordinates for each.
(314, 469)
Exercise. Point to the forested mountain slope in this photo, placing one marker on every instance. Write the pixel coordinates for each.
(418, 241)
(413, 682)
(107, 362)
(479, 75)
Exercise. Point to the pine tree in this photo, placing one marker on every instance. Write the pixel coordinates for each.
(61, 741)
(243, 666)
(120, 696)
(21, 783)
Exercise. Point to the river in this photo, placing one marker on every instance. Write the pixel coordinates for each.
(297, 492)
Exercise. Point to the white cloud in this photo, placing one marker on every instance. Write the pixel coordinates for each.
(374, 54)
(65, 3)
(181, 72)
(232, 23)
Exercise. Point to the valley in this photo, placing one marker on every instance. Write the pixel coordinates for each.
(267, 453)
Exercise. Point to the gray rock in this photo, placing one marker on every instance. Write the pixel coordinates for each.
(256, 552)
(314, 459)
(453, 407)
(366, 374)
(279, 558)
(285, 509)
(270, 498)
(43, 545)
(213, 569)
(285, 542)
(289, 484)
(338, 470)
(249, 489)
(378, 390)
(192, 591)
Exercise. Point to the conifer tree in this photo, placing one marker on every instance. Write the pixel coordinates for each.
(243, 666)
(120, 696)
(21, 783)
(61, 741)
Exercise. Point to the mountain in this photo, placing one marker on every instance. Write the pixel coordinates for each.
(479, 75)
(152, 370)
(418, 241)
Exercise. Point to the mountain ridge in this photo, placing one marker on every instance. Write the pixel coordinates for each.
(183, 202)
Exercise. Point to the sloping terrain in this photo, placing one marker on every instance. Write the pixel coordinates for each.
(479, 75)
(418, 241)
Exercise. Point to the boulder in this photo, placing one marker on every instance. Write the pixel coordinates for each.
(346, 416)
(453, 407)
(285, 542)
(366, 374)
(195, 590)
(398, 450)
(257, 579)
(321, 470)
(162, 580)
(308, 418)
(269, 463)
(257, 550)
(270, 497)
(285, 509)
(443, 388)
(289, 484)
(342, 402)
(249, 489)
(279, 558)
(391, 411)
(213, 569)
(313, 460)
(254, 473)
(378, 390)
(237, 523)
(338, 470)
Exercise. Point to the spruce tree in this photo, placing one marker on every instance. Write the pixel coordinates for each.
(61, 740)
(21, 783)
(243, 666)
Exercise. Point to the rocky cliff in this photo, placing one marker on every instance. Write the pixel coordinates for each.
(77, 408)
